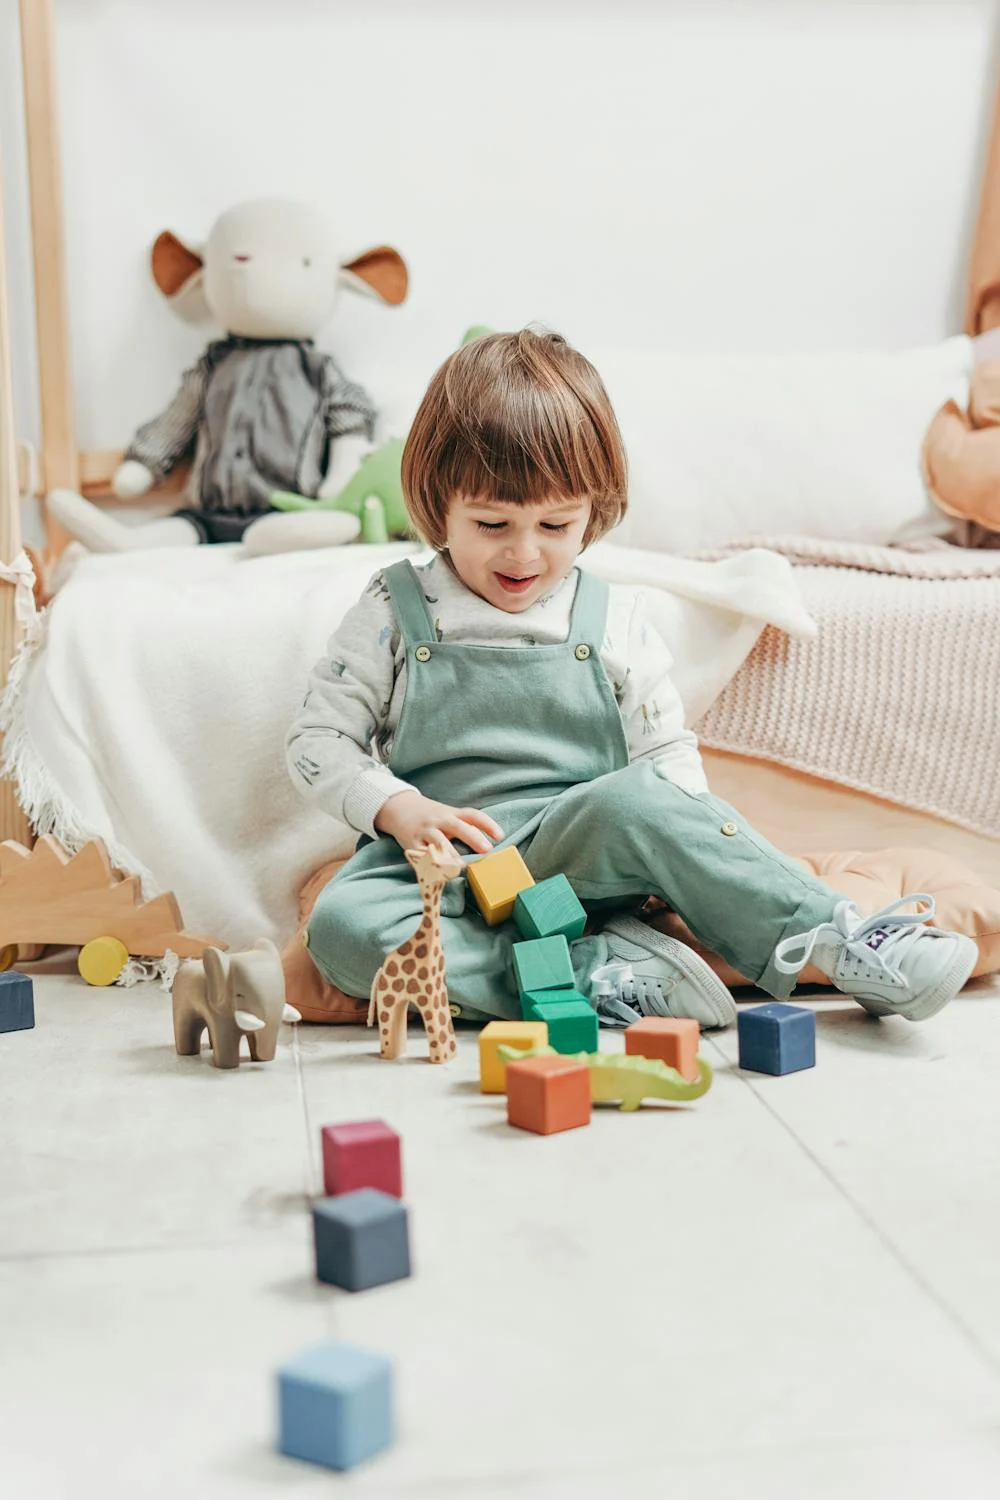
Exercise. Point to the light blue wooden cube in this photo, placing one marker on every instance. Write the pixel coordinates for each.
(335, 1405)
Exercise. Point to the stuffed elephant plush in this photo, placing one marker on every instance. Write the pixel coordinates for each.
(234, 995)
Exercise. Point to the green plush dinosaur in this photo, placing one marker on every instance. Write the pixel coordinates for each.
(615, 1076)
(377, 480)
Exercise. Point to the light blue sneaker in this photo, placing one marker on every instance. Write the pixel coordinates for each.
(650, 974)
(890, 963)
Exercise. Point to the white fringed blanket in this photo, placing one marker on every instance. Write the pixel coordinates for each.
(899, 693)
(150, 706)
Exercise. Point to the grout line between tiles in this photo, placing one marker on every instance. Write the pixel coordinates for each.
(965, 1329)
(315, 1184)
(314, 1180)
(94, 1252)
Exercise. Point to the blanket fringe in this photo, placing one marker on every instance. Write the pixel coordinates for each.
(139, 970)
(45, 807)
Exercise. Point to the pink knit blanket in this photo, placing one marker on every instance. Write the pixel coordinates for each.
(898, 695)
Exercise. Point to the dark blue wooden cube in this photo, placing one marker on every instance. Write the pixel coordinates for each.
(777, 1038)
(362, 1239)
(17, 1002)
(335, 1405)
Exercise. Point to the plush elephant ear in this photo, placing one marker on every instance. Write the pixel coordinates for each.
(216, 975)
(179, 272)
(264, 945)
(378, 273)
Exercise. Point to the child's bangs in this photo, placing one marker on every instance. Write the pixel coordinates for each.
(548, 449)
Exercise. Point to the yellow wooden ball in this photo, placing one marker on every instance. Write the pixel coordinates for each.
(102, 960)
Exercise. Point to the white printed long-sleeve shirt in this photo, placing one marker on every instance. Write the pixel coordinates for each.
(339, 744)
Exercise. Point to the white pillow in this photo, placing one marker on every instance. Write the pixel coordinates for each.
(726, 447)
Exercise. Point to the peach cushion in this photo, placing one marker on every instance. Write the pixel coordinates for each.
(872, 879)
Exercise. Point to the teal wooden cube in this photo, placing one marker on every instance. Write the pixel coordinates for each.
(543, 964)
(549, 909)
(17, 1002)
(571, 1020)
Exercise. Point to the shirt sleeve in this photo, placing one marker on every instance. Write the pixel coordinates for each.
(652, 710)
(329, 747)
(162, 442)
(347, 407)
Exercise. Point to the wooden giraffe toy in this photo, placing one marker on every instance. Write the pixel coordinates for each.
(413, 974)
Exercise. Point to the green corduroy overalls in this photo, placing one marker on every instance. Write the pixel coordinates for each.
(533, 735)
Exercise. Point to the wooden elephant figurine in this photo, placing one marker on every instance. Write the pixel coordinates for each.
(233, 995)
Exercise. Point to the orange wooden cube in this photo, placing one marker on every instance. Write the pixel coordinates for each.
(549, 1093)
(674, 1042)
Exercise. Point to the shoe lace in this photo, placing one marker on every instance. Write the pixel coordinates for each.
(619, 995)
(894, 929)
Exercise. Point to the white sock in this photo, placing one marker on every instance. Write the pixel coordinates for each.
(171, 531)
(299, 531)
(102, 533)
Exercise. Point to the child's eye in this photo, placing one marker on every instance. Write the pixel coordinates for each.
(555, 526)
(491, 525)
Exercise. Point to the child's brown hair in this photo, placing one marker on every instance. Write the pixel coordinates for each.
(517, 417)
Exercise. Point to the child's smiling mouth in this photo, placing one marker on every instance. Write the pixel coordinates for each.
(514, 585)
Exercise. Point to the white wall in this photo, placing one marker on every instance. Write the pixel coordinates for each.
(721, 173)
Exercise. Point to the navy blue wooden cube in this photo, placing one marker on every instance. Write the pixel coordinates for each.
(335, 1405)
(362, 1239)
(17, 1002)
(777, 1038)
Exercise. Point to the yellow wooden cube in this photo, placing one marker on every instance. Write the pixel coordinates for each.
(496, 881)
(523, 1034)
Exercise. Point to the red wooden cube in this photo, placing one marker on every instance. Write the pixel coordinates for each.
(548, 1093)
(363, 1154)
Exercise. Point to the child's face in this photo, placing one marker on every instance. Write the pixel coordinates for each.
(511, 554)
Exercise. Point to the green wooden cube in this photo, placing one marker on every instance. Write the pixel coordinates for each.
(543, 964)
(532, 999)
(572, 1022)
(549, 909)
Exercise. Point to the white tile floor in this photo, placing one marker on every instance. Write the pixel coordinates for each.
(789, 1289)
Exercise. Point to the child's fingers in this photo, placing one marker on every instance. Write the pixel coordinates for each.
(482, 820)
(459, 828)
(443, 845)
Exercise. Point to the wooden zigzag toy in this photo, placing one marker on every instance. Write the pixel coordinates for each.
(49, 896)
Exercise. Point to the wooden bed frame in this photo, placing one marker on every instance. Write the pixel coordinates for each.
(62, 466)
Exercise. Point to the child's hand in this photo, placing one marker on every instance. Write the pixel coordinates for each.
(412, 819)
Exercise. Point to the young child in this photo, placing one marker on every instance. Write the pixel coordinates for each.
(500, 695)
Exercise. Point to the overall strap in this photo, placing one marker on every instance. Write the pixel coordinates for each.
(409, 602)
(589, 619)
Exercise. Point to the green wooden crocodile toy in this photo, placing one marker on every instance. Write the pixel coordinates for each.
(615, 1076)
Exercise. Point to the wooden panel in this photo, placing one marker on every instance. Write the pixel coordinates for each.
(59, 460)
(13, 823)
(97, 465)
